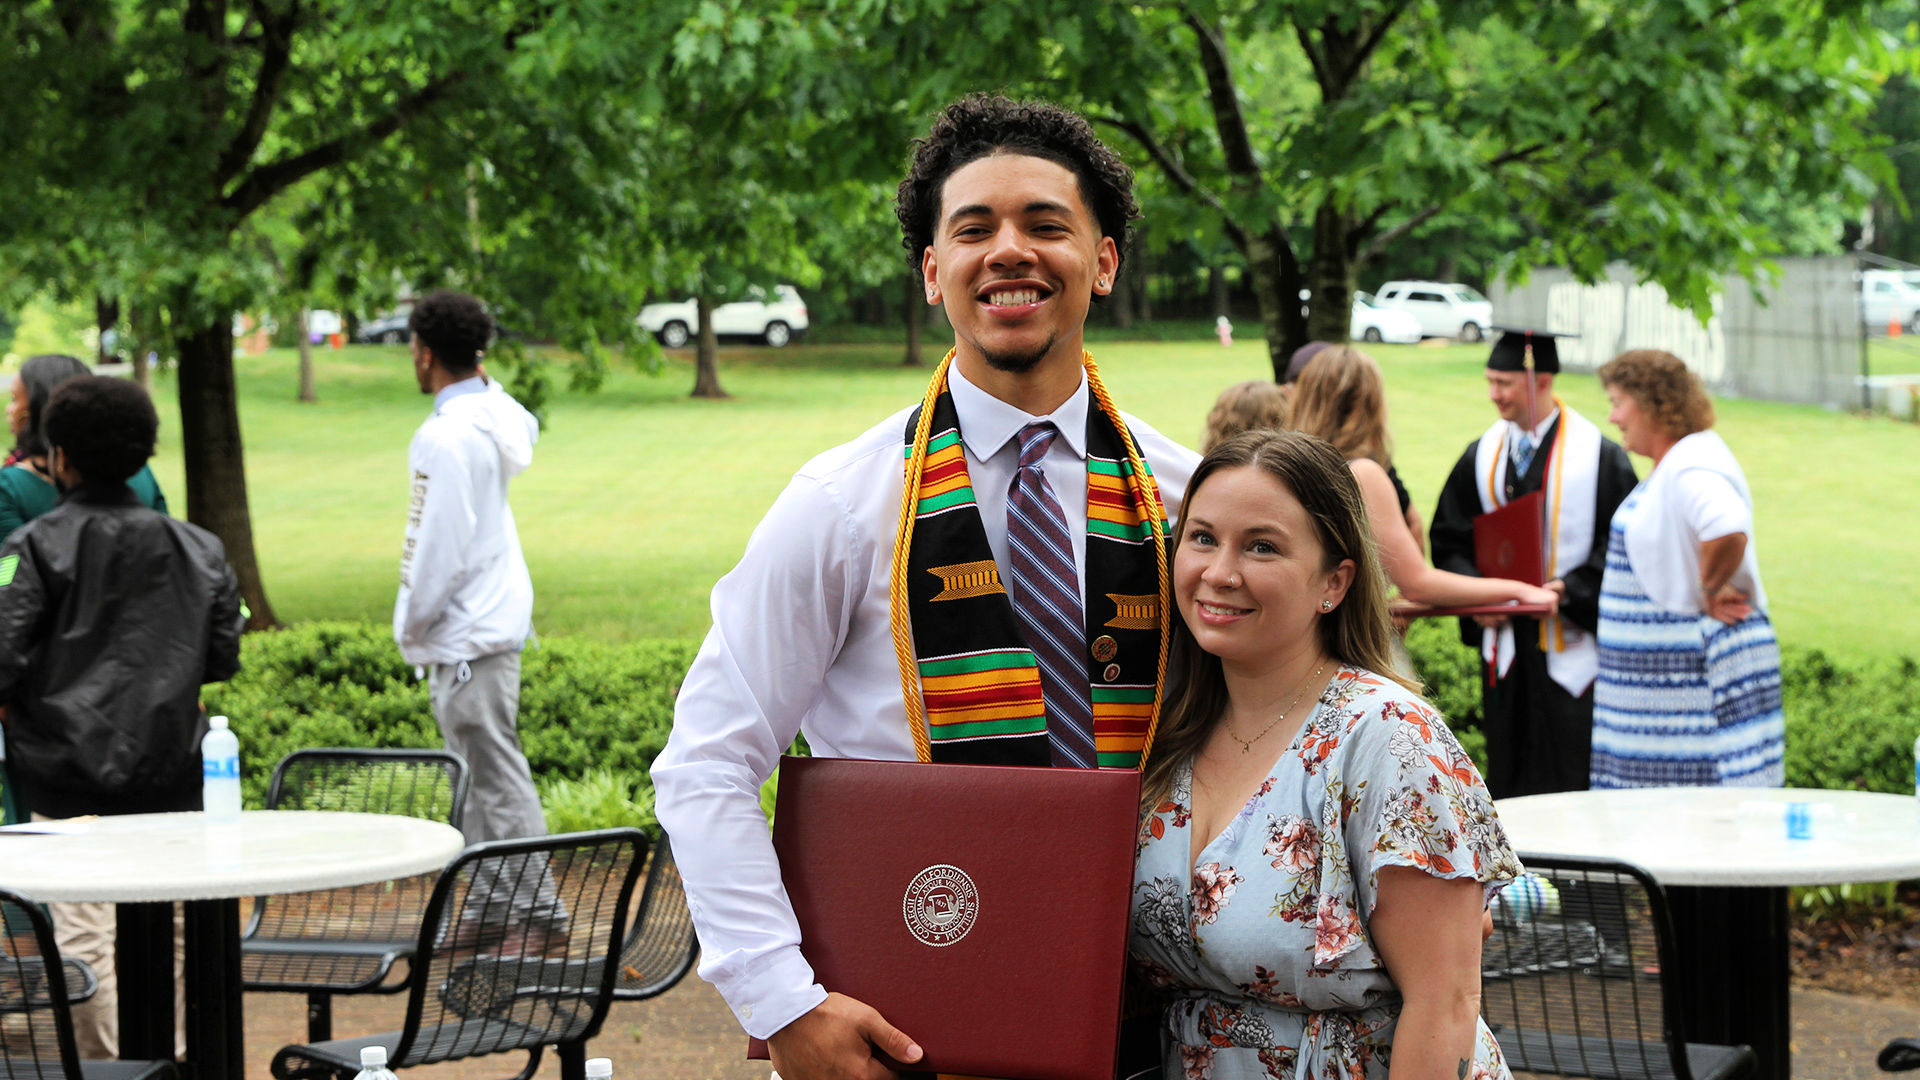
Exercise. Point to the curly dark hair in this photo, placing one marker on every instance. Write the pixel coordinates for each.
(104, 427)
(454, 325)
(1664, 388)
(981, 125)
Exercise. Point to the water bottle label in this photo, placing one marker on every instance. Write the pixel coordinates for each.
(220, 769)
(1799, 821)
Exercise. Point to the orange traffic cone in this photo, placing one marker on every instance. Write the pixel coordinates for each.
(1894, 329)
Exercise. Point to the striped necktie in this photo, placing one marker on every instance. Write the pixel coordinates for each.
(1042, 585)
(1523, 448)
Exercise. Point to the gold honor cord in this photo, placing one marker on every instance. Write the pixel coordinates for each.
(1553, 527)
(1146, 496)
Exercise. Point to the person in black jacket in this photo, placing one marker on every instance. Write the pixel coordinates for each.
(112, 615)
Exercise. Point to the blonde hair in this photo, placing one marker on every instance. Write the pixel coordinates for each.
(1341, 398)
(1358, 632)
(1247, 406)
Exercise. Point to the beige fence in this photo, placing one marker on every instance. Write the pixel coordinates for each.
(1794, 338)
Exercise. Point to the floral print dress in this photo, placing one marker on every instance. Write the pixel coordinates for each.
(1262, 942)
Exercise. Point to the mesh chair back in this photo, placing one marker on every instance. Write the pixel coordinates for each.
(36, 1031)
(520, 945)
(662, 947)
(1572, 978)
(430, 784)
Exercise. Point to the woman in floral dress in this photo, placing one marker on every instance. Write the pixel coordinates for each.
(1316, 850)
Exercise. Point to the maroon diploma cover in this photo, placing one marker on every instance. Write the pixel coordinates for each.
(1510, 542)
(982, 909)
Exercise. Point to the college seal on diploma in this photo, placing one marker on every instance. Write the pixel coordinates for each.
(940, 905)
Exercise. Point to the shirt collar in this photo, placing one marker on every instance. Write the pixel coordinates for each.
(987, 423)
(476, 384)
(1540, 431)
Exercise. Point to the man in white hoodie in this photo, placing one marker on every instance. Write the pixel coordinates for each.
(466, 603)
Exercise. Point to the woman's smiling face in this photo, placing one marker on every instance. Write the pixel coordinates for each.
(1250, 573)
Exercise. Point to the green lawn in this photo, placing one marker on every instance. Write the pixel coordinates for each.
(640, 497)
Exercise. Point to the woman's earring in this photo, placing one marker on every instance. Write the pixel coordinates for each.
(1326, 605)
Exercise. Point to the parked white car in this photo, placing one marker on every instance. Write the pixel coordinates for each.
(774, 322)
(1442, 309)
(1886, 296)
(1374, 323)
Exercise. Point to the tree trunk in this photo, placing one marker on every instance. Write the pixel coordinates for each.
(306, 360)
(215, 466)
(1449, 269)
(1330, 275)
(137, 354)
(914, 316)
(1142, 276)
(706, 360)
(1277, 281)
(1121, 299)
(1217, 289)
(106, 315)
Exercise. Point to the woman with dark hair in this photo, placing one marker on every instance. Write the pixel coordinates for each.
(27, 489)
(1311, 880)
(1689, 685)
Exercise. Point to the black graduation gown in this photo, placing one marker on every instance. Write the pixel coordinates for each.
(1539, 737)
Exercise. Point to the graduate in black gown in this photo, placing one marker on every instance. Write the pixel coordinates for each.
(1536, 674)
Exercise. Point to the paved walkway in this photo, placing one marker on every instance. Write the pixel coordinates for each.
(688, 1034)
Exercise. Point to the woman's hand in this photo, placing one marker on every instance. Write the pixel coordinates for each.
(1729, 605)
(1533, 594)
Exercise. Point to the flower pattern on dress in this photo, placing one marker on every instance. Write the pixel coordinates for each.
(1374, 778)
(1212, 888)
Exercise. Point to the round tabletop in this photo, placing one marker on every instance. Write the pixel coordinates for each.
(1725, 836)
(151, 857)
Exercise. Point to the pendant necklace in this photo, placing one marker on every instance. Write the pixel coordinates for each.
(1246, 745)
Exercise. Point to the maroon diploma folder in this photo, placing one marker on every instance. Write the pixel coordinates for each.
(1509, 542)
(982, 909)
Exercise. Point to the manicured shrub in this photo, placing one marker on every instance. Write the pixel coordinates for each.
(584, 705)
(593, 716)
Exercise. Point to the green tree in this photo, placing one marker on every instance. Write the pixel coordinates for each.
(1675, 134)
(152, 140)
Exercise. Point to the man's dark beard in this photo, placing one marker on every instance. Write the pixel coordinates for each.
(1020, 362)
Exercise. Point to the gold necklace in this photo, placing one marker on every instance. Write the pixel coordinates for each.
(1246, 745)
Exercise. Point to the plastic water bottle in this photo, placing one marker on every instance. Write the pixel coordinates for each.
(220, 773)
(373, 1064)
(599, 1069)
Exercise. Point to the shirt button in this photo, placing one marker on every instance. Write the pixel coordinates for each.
(746, 1012)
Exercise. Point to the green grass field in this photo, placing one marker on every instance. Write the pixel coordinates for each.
(640, 497)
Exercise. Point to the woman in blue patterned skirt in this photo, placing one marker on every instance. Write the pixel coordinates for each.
(1689, 686)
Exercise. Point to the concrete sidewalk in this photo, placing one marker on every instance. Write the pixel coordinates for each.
(689, 1034)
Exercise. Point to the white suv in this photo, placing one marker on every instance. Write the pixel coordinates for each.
(1443, 310)
(776, 323)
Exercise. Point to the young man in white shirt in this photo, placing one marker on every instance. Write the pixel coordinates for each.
(1017, 218)
(465, 607)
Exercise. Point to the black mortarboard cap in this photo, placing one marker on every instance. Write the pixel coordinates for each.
(1510, 350)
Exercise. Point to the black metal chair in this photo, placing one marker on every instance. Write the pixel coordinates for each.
(662, 947)
(347, 941)
(1573, 980)
(534, 986)
(37, 988)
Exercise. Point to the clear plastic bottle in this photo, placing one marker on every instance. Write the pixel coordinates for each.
(599, 1069)
(220, 772)
(373, 1064)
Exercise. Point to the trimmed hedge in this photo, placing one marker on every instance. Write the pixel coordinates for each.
(605, 710)
(583, 705)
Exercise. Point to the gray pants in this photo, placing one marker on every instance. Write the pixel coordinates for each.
(477, 705)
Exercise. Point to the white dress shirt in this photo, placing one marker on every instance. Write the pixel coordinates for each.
(802, 641)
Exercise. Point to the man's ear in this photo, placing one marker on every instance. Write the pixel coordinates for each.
(930, 272)
(1107, 260)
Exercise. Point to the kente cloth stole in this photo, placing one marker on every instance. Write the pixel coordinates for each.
(979, 682)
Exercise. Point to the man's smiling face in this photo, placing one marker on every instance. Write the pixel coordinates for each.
(1016, 259)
